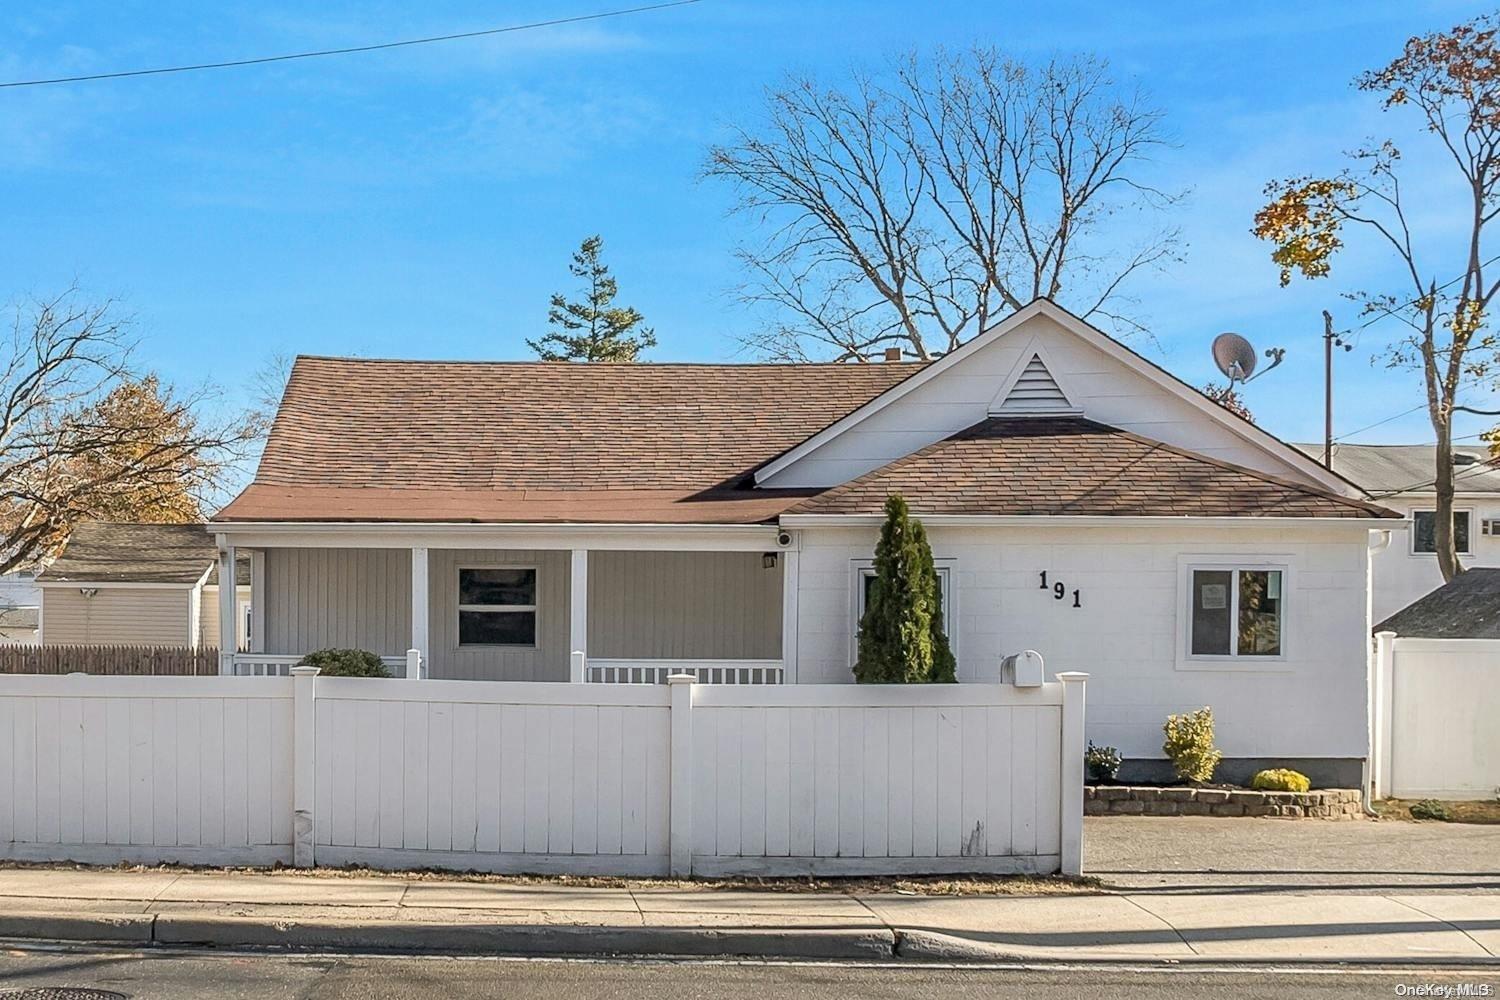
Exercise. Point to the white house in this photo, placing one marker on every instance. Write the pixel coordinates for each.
(604, 523)
(1400, 476)
(137, 585)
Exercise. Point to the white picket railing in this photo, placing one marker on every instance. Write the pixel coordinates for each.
(281, 664)
(683, 778)
(703, 671)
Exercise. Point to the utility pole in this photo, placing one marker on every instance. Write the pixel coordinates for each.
(1330, 341)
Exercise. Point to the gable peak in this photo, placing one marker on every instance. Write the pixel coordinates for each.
(1031, 390)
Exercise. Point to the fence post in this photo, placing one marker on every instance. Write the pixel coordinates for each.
(413, 664)
(304, 771)
(680, 759)
(1381, 722)
(1071, 784)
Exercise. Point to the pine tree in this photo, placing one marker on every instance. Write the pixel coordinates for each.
(593, 329)
(901, 637)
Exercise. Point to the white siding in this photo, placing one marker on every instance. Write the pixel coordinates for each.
(1104, 388)
(134, 616)
(1125, 634)
(1402, 576)
(350, 598)
(684, 605)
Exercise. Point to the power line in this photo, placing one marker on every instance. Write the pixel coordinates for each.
(260, 60)
(1385, 313)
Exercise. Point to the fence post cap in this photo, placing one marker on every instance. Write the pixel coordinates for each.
(306, 671)
(1385, 634)
(681, 679)
(1073, 676)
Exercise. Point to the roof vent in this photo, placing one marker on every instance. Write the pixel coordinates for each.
(1462, 458)
(1034, 391)
(893, 354)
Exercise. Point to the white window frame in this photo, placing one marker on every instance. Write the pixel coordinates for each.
(1411, 545)
(1233, 660)
(534, 608)
(947, 569)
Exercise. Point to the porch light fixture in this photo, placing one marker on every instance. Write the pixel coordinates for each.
(768, 560)
(88, 591)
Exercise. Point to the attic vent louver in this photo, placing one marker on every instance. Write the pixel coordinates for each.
(1035, 391)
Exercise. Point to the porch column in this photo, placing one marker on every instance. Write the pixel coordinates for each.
(227, 630)
(419, 604)
(789, 616)
(257, 637)
(578, 618)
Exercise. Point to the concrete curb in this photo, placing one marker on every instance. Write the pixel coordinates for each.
(560, 941)
(177, 930)
(111, 928)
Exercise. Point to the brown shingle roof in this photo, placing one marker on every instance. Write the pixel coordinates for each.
(108, 552)
(542, 441)
(1073, 466)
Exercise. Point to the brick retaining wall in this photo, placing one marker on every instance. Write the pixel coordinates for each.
(1139, 800)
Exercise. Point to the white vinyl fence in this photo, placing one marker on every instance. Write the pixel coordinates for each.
(1437, 718)
(684, 778)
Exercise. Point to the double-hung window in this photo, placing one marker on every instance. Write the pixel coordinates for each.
(1236, 611)
(497, 606)
(1424, 532)
(864, 581)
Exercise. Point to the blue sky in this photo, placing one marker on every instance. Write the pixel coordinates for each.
(423, 202)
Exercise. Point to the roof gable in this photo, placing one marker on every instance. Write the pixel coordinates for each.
(1100, 377)
(1031, 389)
(1070, 466)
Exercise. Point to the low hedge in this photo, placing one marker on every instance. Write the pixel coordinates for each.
(1280, 779)
(345, 663)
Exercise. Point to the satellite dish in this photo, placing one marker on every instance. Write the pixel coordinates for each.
(1235, 357)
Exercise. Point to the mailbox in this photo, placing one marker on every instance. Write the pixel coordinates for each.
(1023, 669)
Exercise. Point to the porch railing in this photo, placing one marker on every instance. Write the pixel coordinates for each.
(704, 671)
(281, 664)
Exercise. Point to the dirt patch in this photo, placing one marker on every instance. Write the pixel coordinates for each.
(1483, 811)
(934, 885)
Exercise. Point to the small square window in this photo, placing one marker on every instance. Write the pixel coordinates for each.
(1424, 531)
(867, 585)
(497, 606)
(1236, 612)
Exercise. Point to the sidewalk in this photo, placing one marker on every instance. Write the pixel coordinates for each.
(360, 913)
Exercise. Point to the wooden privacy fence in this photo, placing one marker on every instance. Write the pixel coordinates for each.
(173, 661)
(1434, 708)
(687, 779)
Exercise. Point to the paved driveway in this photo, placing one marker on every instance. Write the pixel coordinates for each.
(1206, 854)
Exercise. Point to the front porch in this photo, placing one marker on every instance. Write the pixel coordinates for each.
(474, 603)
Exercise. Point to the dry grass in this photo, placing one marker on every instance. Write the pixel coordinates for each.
(1483, 811)
(944, 885)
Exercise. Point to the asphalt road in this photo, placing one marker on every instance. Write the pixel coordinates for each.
(167, 976)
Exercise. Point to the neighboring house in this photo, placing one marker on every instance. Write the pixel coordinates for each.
(1400, 476)
(600, 522)
(18, 589)
(20, 626)
(138, 585)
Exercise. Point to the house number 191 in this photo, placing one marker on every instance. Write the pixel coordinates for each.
(1060, 591)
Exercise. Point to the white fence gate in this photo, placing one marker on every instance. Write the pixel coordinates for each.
(1437, 718)
(583, 778)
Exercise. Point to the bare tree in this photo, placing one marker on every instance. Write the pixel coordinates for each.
(1452, 80)
(83, 435)
(911, 209)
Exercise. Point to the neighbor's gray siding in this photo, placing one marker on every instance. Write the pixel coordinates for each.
(548, 661)
(124, 616)
(684, 605)
(349, 598)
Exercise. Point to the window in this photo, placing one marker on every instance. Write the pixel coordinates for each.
(867, 582)
(1236, 612)
(1424, 533)
(497, 606)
